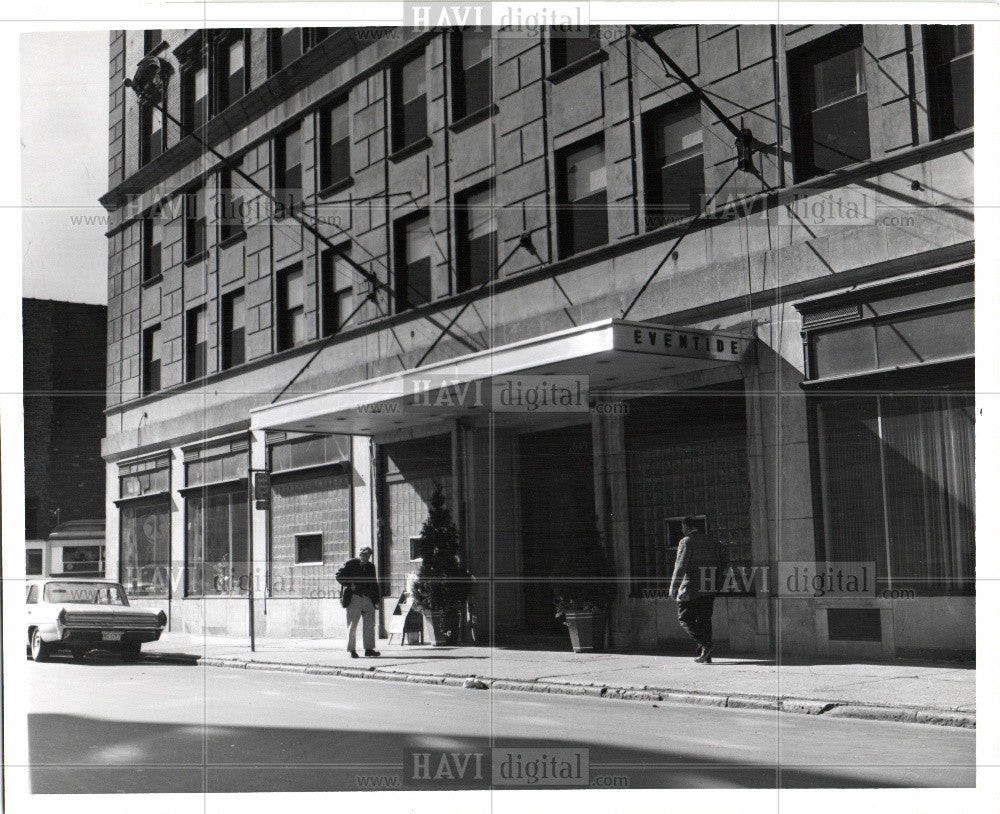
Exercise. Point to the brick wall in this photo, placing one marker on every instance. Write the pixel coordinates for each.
(64, 352)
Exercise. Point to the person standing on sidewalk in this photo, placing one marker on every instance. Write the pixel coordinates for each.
(358, 576)
(698, 563)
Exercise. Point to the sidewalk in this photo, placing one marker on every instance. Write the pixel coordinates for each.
(917, 692)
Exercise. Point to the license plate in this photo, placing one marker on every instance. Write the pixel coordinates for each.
(108, 636)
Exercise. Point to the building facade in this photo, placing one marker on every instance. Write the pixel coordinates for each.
(64, 398)
(535, 268)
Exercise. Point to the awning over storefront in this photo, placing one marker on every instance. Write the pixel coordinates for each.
(556, 373)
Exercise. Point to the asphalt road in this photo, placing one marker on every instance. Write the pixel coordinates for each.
(166, 725)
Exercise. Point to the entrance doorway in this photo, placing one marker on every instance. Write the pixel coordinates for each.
(557, 510)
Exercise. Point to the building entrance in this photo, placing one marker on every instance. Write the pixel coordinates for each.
(557, 510)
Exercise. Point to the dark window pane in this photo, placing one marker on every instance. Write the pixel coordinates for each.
(409, 119)
(840, 134)
(926, 337)
(33, 563)
(233, 322)
(336, 145)
(583, 216)
(568, 47)
(308, 548)
(415, 120)
(145, 548)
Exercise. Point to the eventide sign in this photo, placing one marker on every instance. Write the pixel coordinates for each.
(667, 341)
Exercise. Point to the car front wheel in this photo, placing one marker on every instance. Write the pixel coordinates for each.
(39, 649)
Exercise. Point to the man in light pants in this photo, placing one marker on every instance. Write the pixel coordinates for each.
(358, 577)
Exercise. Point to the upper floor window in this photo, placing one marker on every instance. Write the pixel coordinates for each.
(413, 262)
(194, 93)
(288, 166)
(152, 246)
(476, 241)
(291, 309)
(675, 169)
(231, 209)
(152, 355)
(197, 342)
(472, 85)
(233, 329)
(284, 46)
(409, 102)
(152, 134)
(582, 198)
(573, 45)
(314, 36)
(948, 54)
(335, 144)
(231, 52)
(194, 223)
(151, 37)
(829, 99)
(338, 291)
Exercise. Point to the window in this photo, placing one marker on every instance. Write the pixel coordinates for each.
(948, 50)
(32, 598)
(33, 567)
(216, 540)
(896, 485)
(151, 37)
(197, 342)
(152, 246)
(194, 223)
(477, 238)
(413, 263)
(829, 104)
(233, 327)
(338, 291)
(231, 210)
(194, 94)
(582, 199)
(83, 560)
(145, 547)
(570, 46)
(230, 69)
(152, 354)
(284, 47)
(409, 103)
(308, 548)
(291, 309)
(675, 170)
(314, 36)
(335, 144)
(288, 166)
(152, 133)
(472, 88)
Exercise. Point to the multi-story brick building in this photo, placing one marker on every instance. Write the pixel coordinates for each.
(799, 370)
(64, 352)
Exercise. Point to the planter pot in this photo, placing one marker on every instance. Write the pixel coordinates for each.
(436, 627)
(586, 631)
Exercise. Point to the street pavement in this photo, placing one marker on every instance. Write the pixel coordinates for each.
(167, 724)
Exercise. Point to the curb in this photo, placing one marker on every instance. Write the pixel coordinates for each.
(800, 706)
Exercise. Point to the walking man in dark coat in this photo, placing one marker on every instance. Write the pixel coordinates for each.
(358, 577)
(698, 566)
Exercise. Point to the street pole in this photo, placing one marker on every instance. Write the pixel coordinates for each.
(250, 574)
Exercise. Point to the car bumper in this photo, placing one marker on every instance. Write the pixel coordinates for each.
(75, 637)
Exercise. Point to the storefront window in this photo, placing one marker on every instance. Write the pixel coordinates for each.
(216, 526)
(896, 477)
(144, 506)
(145, 547)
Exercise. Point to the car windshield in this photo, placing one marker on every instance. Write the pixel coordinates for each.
(85, 593)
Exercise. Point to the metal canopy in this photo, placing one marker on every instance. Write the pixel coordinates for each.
(517, 384)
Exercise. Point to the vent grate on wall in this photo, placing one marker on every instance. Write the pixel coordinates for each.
(854, 624)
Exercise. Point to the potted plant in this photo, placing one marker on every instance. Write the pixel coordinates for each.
(442, 586)
(584, 592)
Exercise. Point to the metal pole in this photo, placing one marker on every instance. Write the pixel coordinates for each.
(250, 573)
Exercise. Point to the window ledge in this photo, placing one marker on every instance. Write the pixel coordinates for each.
(152, 281)
(473, 118)
(232, 240)
(196, 258)
(410, 149)
(337, 186)
(576, 66)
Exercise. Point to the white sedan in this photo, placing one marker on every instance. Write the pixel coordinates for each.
(82, 615)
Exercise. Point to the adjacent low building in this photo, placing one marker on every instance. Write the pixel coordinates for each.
(466, 296)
